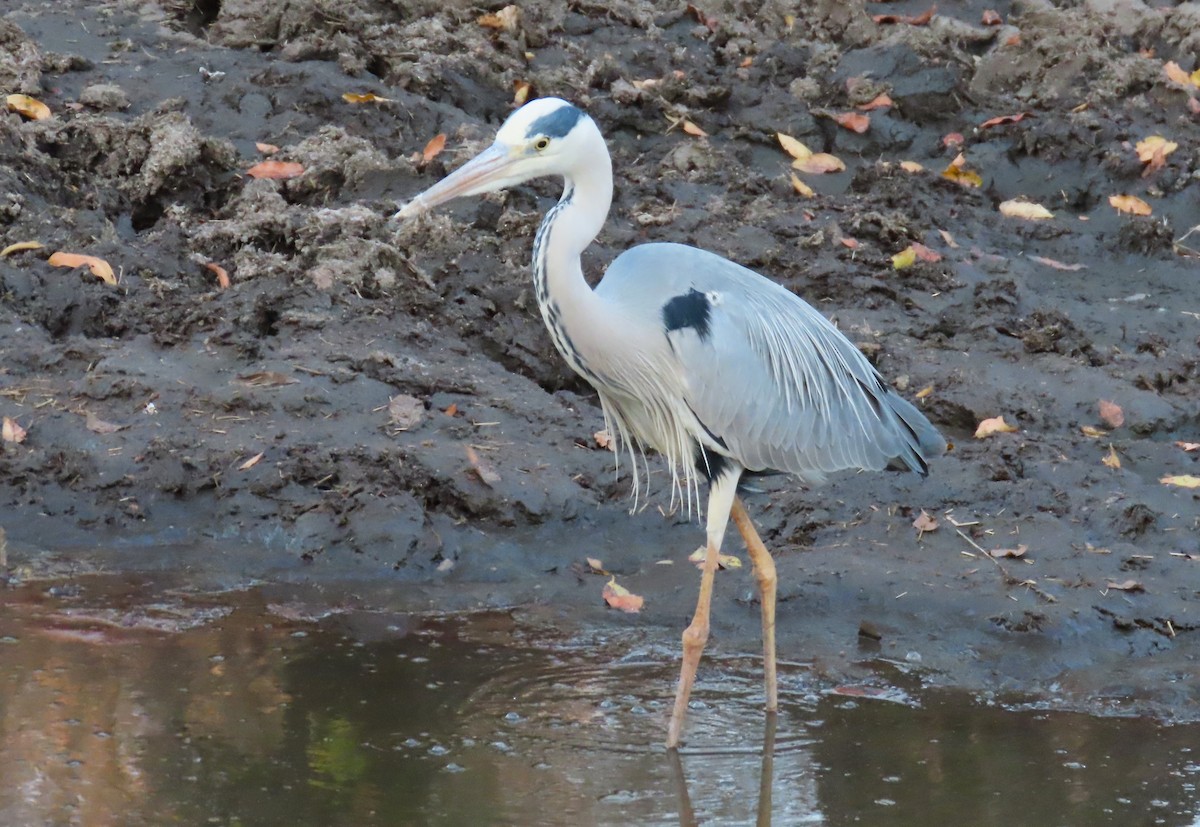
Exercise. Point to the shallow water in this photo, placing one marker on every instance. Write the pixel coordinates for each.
(233, 709)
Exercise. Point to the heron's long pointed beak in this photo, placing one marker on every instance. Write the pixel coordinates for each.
(487, 171)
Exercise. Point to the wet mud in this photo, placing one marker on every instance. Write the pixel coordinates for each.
(378, 404)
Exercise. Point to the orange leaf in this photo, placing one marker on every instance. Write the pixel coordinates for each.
(1003, 119)
(1175, 73)
(452, 409)
(483, 469)
(100, 268)
(221, 274)
(1019, 208)
(507, 19)
(995, 425)
(801, 188)
(10, 431)
(31, 108)
(275, 169)
(854, 121)
(266, 149)
(1130, 204)
(1112, 414)
(911, 166)
(881, 101)
(693, 130)
(952, 139)
(1111, 459)
(851, 243)
(521, 90)
(925, 254)
(364, 97)
(991, 18)
(250, 463)
(819, 162)
(436, 144)
(621, 598)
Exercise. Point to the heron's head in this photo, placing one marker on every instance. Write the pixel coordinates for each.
(547, 136)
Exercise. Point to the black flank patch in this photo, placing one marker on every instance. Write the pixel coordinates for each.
(556, 124)
(689, 310)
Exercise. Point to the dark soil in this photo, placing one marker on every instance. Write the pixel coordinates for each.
(317, 420)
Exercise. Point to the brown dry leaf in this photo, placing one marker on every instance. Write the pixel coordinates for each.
(1018, 552)
(1130, 204)
(31, 108)
(1182, 480)
(724, 561)
(621, 598)
(19, 247)
(1111, 459)
(691, 129)
(507, 19)
(925, 522)
(364, 97)
(952, 139)
(802, 188)
(911, 166)
(603, 440)
(451, 409)
(854, 121)
(1153, 152)
(100, 268)
(521, 90)
(276, 170)
(991, 18)
(880, 101)
(819, 163)
(221, 274)
(905, 258)
(436, 144)
(483, 469)
(595, 566)
(995, 425)
(925, 254)
(265, 379)
(266, 149)
(1003, 119)
(97, 425)
(959, 174)
(405, 411)
(851, 243)
(1092, 431)
(1126, 586)
(10, 431)
(1056, 264)
(919, 20)
(1017, 208)
(1111, 414)
(250, 463)
(949, 239)
(1188, 446)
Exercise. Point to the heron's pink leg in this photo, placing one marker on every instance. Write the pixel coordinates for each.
(720, 499)
(764, 571)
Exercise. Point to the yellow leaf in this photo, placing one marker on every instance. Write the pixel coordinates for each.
(100, 268)
(1111, 459)
(819, 162)
(31, 108)
(621, 598)
(725, 561)
(19, 247)
(793, 147)
(995, 425)
(911, 166)
(521, 90)
(1017, 208)
(1092, 431)
(365, 97)
(1176, 73)
(507, 19)
(959, 174)
(801, 187)
(1154, 145)
(1182, 480)
(1130, 204)
(924, 392)
(905, 258)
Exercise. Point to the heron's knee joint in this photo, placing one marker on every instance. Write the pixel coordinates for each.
(695, 636)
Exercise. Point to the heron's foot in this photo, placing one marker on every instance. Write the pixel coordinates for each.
(694, 638)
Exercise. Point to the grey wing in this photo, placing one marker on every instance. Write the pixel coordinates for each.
(777, 385)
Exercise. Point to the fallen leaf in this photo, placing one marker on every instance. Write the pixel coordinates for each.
(436, 144)
(1111, 459)
(854, 121)
(801, 188)
(1130, 204)
(266, 379)
(621, 598)
(925, 254)
(603, 440)
(1017, 208)
(708, 21)
(1189, 446)
(276, 169)
(924, 392)
(1019, 551)
(482, 468)
(851, 243)
(364, 97)
(21, 246)
(905, 258)
(995, 425)
(991, 18)
(10, 431)
(919, 20)
(507, 19)
(952, 139)
(949, 239)
(451, 409)
(1057, 265)
(959, 174)
(725, 561)
(1194, 106)
(1126, 586)
(911, 166)
(97, 425)
(693, 130)
(925, 522)
(1182, 480)
(819, 163)
(1111, 414)
(221, 274)
(250, 463)
(1092, 431)
(266, 149)
(31, 108)
(880, 101)
(405, 412)
(100, 268)
(793, 147)
(521, 90)
(596, 566)
(1003, 119)
(1175, 73)
(1153, 152)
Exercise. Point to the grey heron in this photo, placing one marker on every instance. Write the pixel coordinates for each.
(720, 370)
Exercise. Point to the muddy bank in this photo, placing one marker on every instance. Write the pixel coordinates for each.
(380, 404)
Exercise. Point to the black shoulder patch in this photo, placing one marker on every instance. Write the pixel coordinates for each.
(689, 310)
(556, 124)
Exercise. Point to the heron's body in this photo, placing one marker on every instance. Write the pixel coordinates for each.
(715, 367)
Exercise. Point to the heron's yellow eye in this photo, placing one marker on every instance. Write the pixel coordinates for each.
(541, 143)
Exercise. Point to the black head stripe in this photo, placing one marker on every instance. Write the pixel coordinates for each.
(557, 123)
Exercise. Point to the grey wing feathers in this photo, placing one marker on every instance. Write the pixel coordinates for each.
(774, 380)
